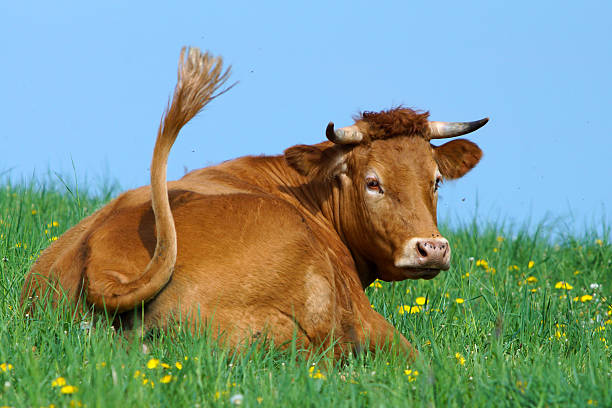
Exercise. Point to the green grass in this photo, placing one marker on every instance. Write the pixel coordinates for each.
(510, 343)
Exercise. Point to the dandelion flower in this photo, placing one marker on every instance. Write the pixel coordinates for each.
(420, 300)
(376, 284)
(59, 382)
(164, 365)
(166, 379)
(55, 223)
(153, 363)
(34, 212)
(483, 264)
(586, 298)
(460, 359)
(531, 279)
(412, 375)
(317, 375)
(6, 367)
(530, 264)
(178, 365)
(408, 309)
(563, 285)
(68, 389)
(459, 300)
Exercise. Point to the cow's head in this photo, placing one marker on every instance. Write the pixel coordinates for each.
(388, 175)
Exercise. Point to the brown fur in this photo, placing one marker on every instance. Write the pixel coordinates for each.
(395, 122)
(271, 244)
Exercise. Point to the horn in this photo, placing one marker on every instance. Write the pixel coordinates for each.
(345, 135)
(443, 130)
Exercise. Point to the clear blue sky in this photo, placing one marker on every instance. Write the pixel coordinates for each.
(88, 82)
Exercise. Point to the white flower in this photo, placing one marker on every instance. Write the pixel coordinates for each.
(594, 285)
(236, 399)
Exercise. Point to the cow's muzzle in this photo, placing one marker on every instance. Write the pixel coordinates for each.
(425, 253)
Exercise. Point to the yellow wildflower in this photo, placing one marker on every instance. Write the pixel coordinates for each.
(460, 359)
(316, 375)
(459, 300)
(165, 365)
(482, 263)
(599, 242)
(500, 239)
(530, 264)
(34, 212)
(153, 363)
(408, 309)
(259, 400)
(59, 382)
(376, 284)
(586, 298)
(6, 367)
(412, 375)
(420, 300)
(531, 279)
(563, 285)
(55, 223)
(166, 379)
(513, 268)
(68, 389)
(178, 365)
(494, 249)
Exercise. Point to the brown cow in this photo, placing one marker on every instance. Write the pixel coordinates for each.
(281, 245)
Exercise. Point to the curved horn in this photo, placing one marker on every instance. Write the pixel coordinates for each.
(345, 135)
(443, 130)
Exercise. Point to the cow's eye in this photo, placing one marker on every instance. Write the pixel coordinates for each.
(373, 185)
(438, 182)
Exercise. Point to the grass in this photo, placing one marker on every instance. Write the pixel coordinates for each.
(515, 340)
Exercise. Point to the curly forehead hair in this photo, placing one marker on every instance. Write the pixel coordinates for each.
(394, 122)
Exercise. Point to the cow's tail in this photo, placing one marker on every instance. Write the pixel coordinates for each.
(200, 79)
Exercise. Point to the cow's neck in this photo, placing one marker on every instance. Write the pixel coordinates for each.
(320, 202)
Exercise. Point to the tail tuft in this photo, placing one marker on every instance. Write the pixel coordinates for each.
(200, 80)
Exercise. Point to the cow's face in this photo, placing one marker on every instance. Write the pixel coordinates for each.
(391, 186)
(388, 195)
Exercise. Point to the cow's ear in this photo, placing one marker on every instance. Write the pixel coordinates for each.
(318, 161)
(456, 158)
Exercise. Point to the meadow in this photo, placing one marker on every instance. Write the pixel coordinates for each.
(523, 318)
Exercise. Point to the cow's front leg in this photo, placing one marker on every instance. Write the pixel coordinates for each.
(375, 333)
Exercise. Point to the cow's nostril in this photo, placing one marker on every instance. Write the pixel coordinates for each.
(421, 249)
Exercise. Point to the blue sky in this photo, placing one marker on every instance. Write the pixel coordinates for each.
(87, 83)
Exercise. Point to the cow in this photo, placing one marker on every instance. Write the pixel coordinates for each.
(278, 245)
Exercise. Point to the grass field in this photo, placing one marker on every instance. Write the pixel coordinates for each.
(521, 319)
